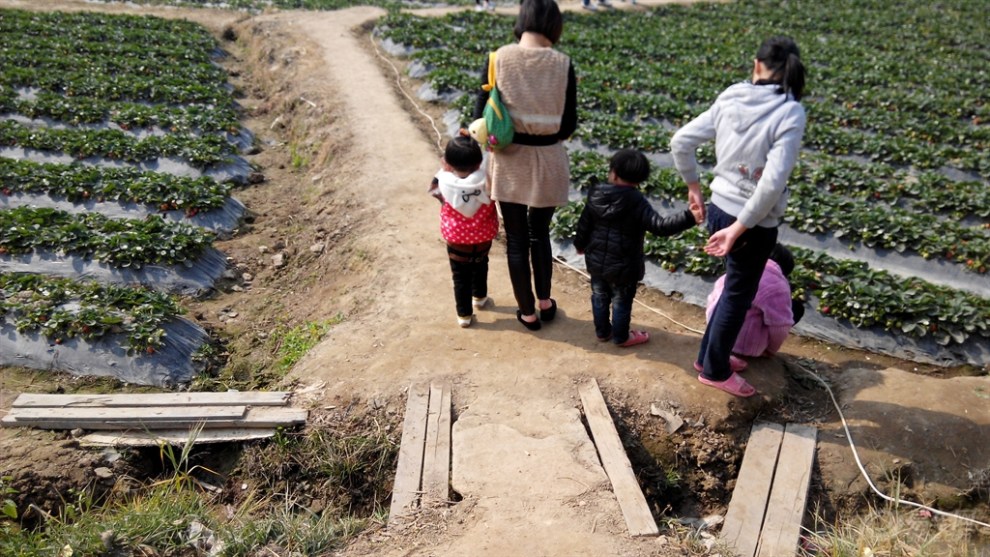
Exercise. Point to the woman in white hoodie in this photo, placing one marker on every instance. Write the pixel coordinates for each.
(757, 126)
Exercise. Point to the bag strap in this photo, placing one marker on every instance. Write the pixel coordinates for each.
(491, 73)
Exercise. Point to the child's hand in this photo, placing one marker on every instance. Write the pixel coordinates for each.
(698, 211)
(435, 191)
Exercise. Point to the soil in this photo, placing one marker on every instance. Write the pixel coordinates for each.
(347, 153)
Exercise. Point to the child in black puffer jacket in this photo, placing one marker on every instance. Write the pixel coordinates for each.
(610, 234)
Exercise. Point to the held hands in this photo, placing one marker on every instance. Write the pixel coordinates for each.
(698, 211)
(696, 202)
(720, 243)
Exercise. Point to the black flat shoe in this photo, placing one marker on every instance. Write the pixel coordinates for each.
(534, 326)
(549, 313)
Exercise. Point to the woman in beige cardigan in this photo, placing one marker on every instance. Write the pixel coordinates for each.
(531, 177)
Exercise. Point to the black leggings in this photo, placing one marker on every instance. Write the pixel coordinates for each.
(527, 239)
(469, 269)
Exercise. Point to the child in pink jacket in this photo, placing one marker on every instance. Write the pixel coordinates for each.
(773, 312)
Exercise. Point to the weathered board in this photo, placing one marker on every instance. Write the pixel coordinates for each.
(436, 457)
(633, 504)
(409, 469)
(744, 518)
(175, 437)
(260, 417)
(789, 495)
(229, 398)
(84, 415)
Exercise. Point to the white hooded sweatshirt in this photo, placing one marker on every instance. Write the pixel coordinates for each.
(757, 133)
(465, 195)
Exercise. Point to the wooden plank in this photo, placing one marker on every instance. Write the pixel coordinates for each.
(261, 417)
(789, 496)
(83, 415)
(229, 398)
(436, 457)
(744, 518)
(635, 510)
(409, 468)
(177, 437)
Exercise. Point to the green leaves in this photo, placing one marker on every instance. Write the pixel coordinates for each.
(62, 309)
(117, 242)
(199, 151)
(81, 183)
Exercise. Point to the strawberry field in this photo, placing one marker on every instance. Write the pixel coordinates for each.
(119, 144)
(890, 207)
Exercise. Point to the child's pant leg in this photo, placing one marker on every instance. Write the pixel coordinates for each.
(601, 302)
(622, 301)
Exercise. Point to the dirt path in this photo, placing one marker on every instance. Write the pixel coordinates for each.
(526, 471)
(522, 461)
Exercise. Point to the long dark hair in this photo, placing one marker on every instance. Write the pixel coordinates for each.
(539, 16)
(781, 56)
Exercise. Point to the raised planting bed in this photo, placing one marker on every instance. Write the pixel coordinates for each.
(119, 192)
(167, 255)
(61, 309)
(119, 141)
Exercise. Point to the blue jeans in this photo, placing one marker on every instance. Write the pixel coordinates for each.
(743, 269)
(617, 297)
(527, 239)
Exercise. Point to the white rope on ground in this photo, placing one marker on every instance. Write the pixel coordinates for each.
(398, 83)
(862, 469)
(845, 425)
(653, 309)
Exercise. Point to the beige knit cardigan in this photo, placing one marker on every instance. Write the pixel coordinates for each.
(533, 86)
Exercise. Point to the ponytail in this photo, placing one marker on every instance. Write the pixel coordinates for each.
(781, 56)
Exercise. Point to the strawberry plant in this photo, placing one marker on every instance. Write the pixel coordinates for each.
(81, 183)
(62, 309)
(116, 242)
(113, 144)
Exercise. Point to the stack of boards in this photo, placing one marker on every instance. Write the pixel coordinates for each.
(154, 418)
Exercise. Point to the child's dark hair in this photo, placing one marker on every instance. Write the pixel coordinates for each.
(630, 165)
(781, 56)
(539, 16)
(784, 258)
(463, 154)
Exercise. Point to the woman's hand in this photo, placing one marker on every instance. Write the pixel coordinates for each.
(720, 243)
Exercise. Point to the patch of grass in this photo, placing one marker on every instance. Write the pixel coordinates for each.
(290, 529)
(260, 364)
(292, 344)
(297, 158)
(346, 467)
(345, 462)
(160, 516)
(894, 532)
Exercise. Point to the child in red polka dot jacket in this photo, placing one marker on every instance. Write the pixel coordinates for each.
(468, 223)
